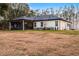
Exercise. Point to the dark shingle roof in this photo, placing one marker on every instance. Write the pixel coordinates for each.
(40, 18)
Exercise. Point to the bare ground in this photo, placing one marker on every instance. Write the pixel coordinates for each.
(38, 44)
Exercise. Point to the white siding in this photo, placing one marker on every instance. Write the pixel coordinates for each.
(63, 25)
(51, 24)
(76, 26)
(46, 24)
(38, 24)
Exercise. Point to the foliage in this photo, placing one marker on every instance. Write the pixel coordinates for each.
(11, 11)
(3, 7)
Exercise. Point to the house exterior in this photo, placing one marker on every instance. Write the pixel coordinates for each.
(52, 24)
(75, 25)
(40, 23)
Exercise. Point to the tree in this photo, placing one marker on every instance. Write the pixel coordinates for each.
(52, 11)
(3, 8)
(11, 11)
(18, 10)
(31, 13)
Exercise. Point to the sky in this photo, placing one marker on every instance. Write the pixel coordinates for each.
(35, 6)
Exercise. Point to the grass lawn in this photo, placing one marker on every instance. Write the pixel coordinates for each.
(39, 42)
(67, 32)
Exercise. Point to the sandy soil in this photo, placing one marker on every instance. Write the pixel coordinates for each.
(38, 44)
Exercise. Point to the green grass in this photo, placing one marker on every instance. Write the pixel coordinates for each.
(67, 32)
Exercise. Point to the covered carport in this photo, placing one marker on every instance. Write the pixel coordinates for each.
(21, 24)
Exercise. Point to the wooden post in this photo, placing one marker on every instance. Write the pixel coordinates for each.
(9, 25)
(23, 24)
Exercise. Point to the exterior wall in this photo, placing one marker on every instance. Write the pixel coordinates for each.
(38, 25)
(78, 25)
(62, 25)
(75, 26)
(46, 25)
(49, 24)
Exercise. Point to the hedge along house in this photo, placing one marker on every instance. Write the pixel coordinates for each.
(53, 23)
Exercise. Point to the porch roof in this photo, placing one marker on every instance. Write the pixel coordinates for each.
(40, 18)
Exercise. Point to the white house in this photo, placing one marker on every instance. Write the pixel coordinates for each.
(52, 23)
(75, 24)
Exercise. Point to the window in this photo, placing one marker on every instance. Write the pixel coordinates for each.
(35, 24)
(41, 24)
(56, 23)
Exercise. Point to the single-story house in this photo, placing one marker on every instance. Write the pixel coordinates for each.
(53, 23)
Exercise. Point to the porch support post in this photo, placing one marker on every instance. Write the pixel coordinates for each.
(23, 24)
(9, 25)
